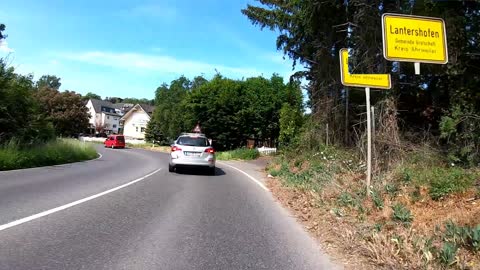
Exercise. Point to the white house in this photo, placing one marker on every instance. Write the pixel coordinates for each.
(135, 121)
(103, 116)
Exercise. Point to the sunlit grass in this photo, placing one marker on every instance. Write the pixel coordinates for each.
(60, 151)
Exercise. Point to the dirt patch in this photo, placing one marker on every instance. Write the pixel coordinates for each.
(355, 243)
(463, 209)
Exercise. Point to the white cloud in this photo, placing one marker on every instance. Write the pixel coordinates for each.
(159, 63)
(158, 11)
(4, 47)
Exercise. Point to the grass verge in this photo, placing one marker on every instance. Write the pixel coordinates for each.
(60, 151)
(149, 146)
(238, 154)
(424, 214)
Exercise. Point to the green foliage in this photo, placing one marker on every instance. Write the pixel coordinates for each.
(345, 199)
(402, 213)
(377, 199)
(447, 254)
(461, 129)
(48, 81)
(65, 110)
(91, 95)
(446, 181)
(170, 118)
(229, 111)
(14, 156)
(440, 179)
(238, 154)
(19, 111)
(2, 28)
(153, 132)
(139, 101)
(354, 24)
(468, 237)
(391, 189)
(290, 124)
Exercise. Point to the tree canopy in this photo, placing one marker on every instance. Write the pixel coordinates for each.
(91, 95)
(65, 110)
(440, 101)
(49, 81)
(229, 111)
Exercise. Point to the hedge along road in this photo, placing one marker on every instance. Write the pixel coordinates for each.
(125, 211)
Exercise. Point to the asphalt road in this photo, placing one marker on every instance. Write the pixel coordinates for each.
(188, 220)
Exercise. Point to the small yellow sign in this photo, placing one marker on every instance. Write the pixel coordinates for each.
(381, 81)
(414, 39)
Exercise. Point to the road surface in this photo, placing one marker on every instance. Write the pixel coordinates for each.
(188, 220)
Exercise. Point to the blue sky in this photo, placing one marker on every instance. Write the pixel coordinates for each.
(128, 48)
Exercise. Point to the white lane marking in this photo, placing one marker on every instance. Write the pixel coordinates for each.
(248, 175)
(63, 207)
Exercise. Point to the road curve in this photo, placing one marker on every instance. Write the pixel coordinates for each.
(188, 220)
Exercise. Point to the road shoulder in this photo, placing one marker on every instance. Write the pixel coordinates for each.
(283, 195)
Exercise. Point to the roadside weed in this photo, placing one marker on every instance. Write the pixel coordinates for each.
(402, 214)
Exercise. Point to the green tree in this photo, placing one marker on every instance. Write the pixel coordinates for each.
(66, 110)
(2, 29)
(91, 95)
(139, 101)
(153, 132)
(19, 113)
(169, 112)
(356, 24)
(291, 121)
(49, 81)
(114, 99)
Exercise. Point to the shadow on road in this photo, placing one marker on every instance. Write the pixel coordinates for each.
(199, 171)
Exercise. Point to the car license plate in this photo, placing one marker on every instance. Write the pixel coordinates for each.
(192, 154)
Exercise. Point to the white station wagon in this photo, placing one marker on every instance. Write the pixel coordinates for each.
(192, 150)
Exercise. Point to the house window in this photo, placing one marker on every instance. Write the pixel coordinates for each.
(115, 119)
(108, 117)
(136, 129)
(114, 126)
(142, 130)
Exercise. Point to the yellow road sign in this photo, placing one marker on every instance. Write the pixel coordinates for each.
(381, 81)
(414, 39)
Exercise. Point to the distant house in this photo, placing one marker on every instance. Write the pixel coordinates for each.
(103, 116)
(122, 108)
(135, 121)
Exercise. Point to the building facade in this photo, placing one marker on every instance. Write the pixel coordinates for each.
(135, 121)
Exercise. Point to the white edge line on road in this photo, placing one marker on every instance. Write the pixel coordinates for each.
(63, 207)
(248, 175)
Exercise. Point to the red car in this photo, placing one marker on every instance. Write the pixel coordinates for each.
(115, 141)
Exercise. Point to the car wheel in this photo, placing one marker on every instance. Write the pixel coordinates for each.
(171, 168)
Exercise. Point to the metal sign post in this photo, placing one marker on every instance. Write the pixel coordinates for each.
(367, 81)
(369, 139)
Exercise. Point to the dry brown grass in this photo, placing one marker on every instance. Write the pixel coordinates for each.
(356, 244)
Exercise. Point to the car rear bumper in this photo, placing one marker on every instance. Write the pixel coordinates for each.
(184, 162)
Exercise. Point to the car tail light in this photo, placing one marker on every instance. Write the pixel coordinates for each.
(175, 148)
(210, 150)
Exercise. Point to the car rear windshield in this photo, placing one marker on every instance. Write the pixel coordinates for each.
(120, 138)
(193, 141)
